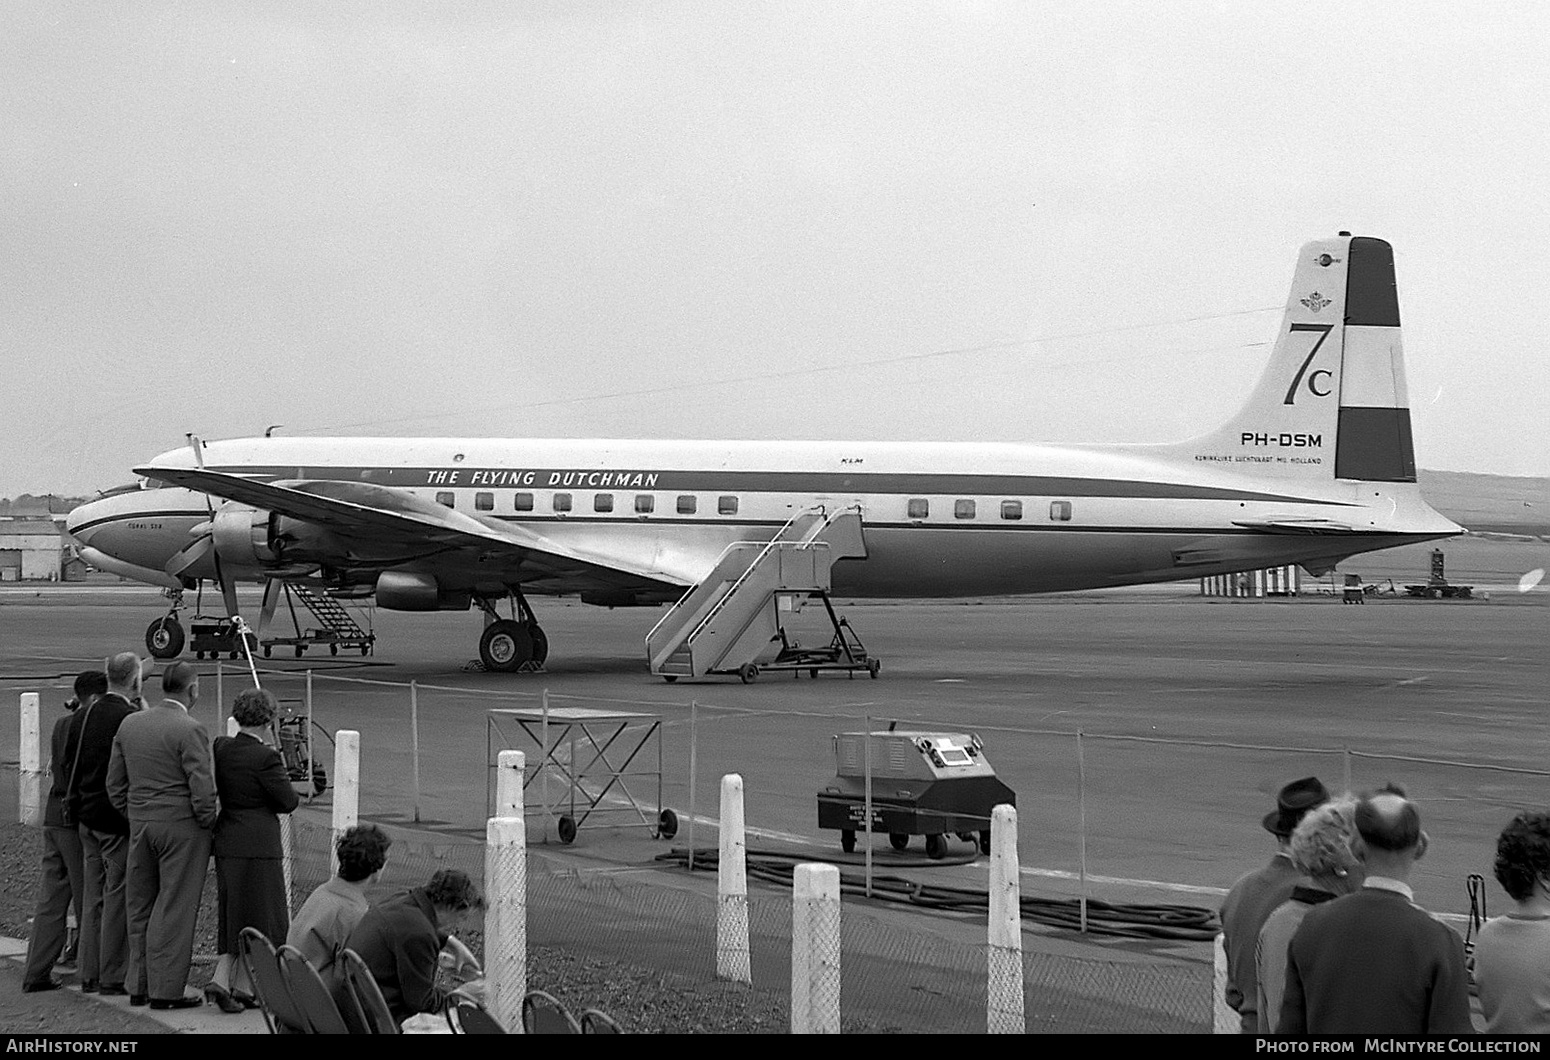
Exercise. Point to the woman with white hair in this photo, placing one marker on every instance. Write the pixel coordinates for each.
(1321, 851)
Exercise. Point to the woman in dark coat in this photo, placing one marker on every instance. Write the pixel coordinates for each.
(254, 787)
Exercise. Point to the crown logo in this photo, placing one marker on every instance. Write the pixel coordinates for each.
(1315, 301)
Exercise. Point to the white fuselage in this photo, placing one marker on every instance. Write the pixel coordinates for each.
(940, 519)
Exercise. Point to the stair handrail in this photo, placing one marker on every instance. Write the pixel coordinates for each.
(684, 599)
(774, 543)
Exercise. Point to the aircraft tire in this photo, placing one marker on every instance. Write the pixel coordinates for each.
(540, 642)
(505, 646)
(164, 638)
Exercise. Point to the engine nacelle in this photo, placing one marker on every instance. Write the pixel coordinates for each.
(406, 591)
(243, 537)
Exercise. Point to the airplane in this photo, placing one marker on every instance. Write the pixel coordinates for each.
(1317, 466)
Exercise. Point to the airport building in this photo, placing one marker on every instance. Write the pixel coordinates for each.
(32, 549)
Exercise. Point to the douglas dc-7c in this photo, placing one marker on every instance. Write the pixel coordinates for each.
(1316, 467)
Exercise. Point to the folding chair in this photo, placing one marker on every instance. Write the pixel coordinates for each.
(310, 993)
(362, 986)
(466, 1017)
(542, 1013)
(596, 1021)
(280, 1010)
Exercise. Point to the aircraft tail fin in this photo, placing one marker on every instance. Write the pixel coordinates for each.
(1332, 402)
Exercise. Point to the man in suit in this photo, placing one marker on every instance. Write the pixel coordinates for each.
(1255, 896)
(103, 830)
(1373, 962)
(59, 886)
(161, 779)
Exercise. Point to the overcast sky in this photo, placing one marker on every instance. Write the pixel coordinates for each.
(957, 221)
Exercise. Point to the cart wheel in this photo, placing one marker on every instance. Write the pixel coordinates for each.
(333, 649)
(319, 778)
(985, 842)
(164, 638)
(299, 650)
(847, 841)
(669, 678)
(936, 846)
(667, 824)
(365, 650)
(748, 673)
(567, 830)
(872, 666)
(813, 673)
(898, 840)
(267, 650)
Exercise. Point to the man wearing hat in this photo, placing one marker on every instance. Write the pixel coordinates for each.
(1254, 897)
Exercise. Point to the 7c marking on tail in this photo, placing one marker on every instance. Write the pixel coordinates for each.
(1291, 391)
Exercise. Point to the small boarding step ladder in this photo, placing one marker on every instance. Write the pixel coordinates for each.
(335, 627)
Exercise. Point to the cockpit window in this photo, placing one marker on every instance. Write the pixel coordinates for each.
(133, 487)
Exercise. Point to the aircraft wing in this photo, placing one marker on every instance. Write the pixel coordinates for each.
(383, 518)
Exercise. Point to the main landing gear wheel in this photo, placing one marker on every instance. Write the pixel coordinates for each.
(540, 643)
(505, 646)
(164, 638)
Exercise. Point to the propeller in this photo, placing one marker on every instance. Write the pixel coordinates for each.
(204, 543)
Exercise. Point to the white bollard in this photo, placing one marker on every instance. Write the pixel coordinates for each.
(1004, 994)
(29, 777)
(1223, 1019)
(732, 959)
(505, 919)
(510, 769)
(815, 950)
(347, 791)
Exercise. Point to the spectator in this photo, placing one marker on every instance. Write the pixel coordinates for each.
(103, 829)
(1255, 896)
(324, 923)
(1512, 954)
(1321, 851)
(1373, 962)
(254, 789)
(159, 778)
(400, 941)
(60, 882)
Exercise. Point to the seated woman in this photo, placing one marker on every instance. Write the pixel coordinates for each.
(1512, 968)
(322, 926)
(401, 941)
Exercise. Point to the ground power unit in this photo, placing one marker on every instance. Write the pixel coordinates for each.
(923, 783)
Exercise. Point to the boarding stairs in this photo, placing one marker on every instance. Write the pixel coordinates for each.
(335, 627)
(729, 620)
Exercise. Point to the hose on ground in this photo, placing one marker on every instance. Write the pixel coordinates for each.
(1173, 922)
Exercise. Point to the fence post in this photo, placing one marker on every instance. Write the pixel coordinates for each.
(414, 743)
(29, 777)
(694, 768)
(1004, 992)
(347, 790)
(815, 949)
(1223, 1019)
(505, 917)
(1081, 825)
(511, 766)
(732, 958)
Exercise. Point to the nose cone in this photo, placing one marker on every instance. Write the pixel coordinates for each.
(83, 521)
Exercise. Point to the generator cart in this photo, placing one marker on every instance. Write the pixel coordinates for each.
(923, 783)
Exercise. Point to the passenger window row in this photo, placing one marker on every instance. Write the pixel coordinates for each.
(963, 508)
(645, 503)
